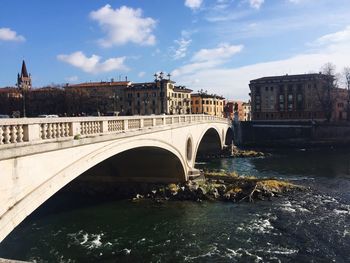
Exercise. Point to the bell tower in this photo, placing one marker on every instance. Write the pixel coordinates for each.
(24, 80)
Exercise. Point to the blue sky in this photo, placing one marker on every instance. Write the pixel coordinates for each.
(215, 45)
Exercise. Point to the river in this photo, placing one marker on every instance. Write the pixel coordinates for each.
(311, 226)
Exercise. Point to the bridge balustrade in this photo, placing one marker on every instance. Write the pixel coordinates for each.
(23, 131)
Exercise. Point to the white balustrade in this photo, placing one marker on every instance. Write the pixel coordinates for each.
(37, 130)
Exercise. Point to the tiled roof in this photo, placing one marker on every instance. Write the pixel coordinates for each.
(100, 84)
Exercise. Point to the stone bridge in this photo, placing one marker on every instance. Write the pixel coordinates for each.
(39, 156)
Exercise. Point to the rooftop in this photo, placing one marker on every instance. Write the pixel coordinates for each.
(100, 84)
(287, 77)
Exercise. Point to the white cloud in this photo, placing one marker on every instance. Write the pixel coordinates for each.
(208, 58)
(141, 74)
(233, 82)
(72, 79)
(193, 4)
(223, 51)
(337, 37)
(93, 64)
(256, 3)
(6, 34)
(124, 25)
(182, 46)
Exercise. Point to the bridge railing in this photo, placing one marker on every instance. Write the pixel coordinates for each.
(36, 130)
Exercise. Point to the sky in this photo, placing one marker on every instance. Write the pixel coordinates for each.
(214, 45)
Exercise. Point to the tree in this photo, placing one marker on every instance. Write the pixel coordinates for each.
(325, 93)
(346, 73)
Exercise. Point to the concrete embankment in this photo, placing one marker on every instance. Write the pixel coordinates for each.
(291, 134)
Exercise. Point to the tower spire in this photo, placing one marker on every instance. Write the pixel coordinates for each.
(24, 72)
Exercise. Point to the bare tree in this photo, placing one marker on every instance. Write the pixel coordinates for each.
(346, 73)
(325, 93)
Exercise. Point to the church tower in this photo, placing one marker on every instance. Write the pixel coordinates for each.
(24, 80)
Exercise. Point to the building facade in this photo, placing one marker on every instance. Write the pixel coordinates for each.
(247, 111)
(158, 97)
(161, 96)
(99, 97)
(203, 103)
(296, 97)
(242, 108)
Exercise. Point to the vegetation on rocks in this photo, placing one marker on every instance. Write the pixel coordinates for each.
(238, 153)
(221, 186)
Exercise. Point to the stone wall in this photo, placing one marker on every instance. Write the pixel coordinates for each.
(291, 133)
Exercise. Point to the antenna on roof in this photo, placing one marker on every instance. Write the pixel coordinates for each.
(126, 78)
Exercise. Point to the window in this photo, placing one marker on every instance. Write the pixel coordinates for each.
(266, 88)
(281, 88)
(154, 94)
(281, 98)
(197, 102)
(138, 95)
(290, 97)
(271, 88)
(299, 98)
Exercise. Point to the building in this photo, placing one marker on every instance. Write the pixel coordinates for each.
(126, 98)
(211, 104)
(158, 97)
(24, 80)
(99, 97)
(297, 97)
(246, 111)
(242, 108)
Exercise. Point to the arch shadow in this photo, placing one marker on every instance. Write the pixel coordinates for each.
(209, 145)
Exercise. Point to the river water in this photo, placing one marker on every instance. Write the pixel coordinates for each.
(311, 226)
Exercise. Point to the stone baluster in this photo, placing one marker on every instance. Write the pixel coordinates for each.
(58, 135)
(13, 134)
(20, 133)
(54, 130)
(7, 135)
(49, 131)
(1, 135)
(66, 129)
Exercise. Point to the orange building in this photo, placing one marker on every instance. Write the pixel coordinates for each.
(203, 103)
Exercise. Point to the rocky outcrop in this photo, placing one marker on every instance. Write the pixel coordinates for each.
(223, 187)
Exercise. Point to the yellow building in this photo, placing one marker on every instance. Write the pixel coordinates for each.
(158, 97)
(203, 103)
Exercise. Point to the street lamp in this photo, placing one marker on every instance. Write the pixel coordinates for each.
(115, 100)
(24, 102)
(146, 101)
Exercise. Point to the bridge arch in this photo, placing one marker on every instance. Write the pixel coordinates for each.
(229, 135)
(30, 202)
(209, 143)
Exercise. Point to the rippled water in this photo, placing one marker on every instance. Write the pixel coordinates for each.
(311, 226)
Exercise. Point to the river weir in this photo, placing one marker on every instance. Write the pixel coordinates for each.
(303, 226)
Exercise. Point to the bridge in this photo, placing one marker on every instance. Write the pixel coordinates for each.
(39, 156)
